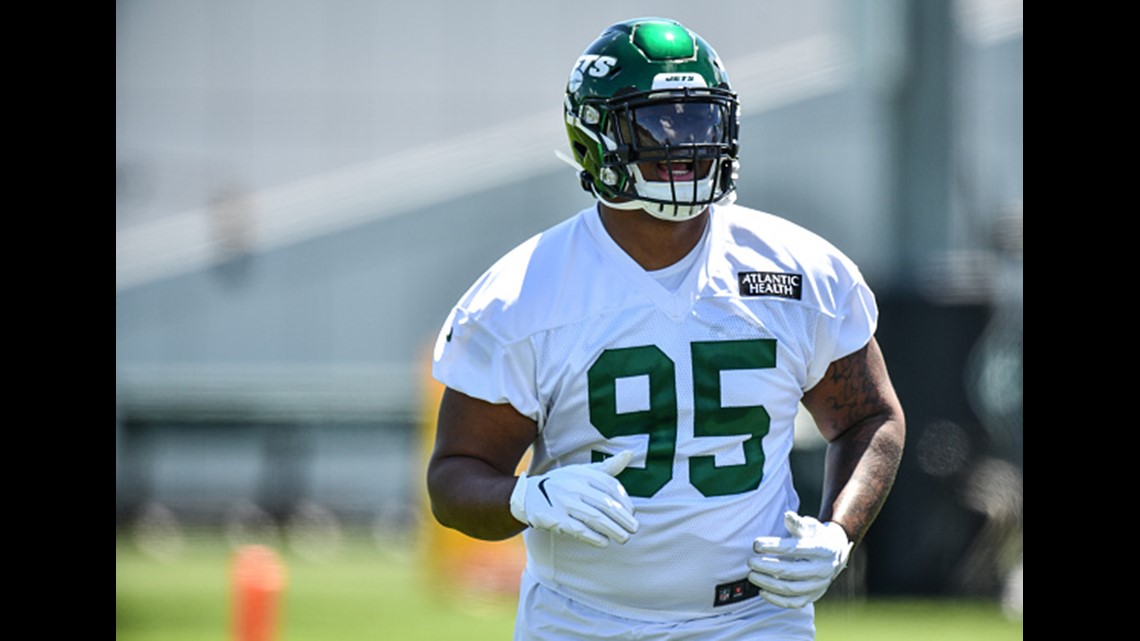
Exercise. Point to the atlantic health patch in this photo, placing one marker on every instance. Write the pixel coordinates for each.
(771, 284)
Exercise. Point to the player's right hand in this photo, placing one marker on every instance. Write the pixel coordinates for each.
(584, 501)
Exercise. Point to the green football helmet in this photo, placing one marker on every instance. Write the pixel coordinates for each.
(653, 121)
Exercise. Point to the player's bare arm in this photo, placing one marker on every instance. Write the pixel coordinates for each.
(471, 471)
(858, 412)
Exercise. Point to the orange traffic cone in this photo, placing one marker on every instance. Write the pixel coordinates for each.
(258, 580)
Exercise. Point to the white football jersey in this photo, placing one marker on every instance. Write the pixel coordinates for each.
(702, 383)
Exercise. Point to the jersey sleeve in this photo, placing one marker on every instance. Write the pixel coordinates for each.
(848, 328)
(470, 358)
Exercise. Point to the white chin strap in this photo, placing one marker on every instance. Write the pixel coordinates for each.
(672, 213)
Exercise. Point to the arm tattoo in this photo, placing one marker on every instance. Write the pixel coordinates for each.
(857, 410)
(853, 391)
(869, 461)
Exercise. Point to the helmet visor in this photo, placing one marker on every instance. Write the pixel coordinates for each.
(681, 130)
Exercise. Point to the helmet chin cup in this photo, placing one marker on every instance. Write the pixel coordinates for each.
(673, 213)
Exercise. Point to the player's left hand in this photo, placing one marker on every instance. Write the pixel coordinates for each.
(795, 571)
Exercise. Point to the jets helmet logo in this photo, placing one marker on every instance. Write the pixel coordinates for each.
(593, 64)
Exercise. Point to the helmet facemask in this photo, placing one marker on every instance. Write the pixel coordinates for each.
(671, 153)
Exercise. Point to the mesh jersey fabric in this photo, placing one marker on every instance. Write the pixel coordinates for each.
(703, 384)
(672, 276)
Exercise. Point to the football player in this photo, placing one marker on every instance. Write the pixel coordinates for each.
(653, 350)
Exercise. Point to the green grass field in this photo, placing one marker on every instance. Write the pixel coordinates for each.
(365, 592)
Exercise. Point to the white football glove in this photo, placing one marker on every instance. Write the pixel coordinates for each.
(584, 501)
(793, 572)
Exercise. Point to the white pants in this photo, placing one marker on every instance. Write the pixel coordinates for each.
(546, 615)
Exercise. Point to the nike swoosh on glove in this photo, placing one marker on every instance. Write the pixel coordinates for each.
(795, 571)
(584, 501)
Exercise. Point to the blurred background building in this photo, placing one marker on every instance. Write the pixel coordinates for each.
(304, 188)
